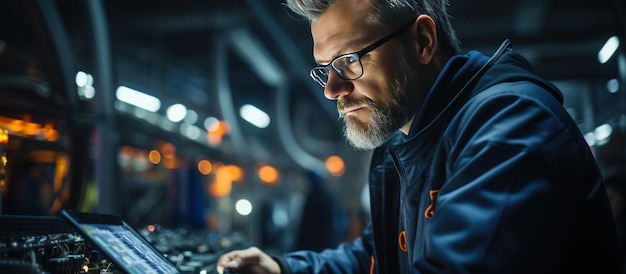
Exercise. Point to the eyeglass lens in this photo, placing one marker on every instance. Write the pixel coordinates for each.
(348, 67)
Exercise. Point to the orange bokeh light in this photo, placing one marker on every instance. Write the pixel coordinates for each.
(154, 156)
(268, 174)
(31, 129)
(16, 125)
(335, 165)
(168, 150)
(4, 136)
(235, 172)
(170, 163)
(205, 167)
(223, 184)
(49, 133)
(219, 128)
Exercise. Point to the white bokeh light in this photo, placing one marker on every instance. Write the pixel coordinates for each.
(176, 112)
(243, 207)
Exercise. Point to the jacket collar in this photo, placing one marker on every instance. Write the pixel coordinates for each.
(453, 86)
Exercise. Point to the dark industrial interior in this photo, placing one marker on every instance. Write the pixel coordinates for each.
(69, 140)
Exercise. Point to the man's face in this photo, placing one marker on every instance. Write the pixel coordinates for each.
(377, 104)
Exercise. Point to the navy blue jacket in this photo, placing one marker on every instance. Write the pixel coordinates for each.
(493, 177)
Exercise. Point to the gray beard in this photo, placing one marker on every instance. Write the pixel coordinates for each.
(385, 120)
(372, 135)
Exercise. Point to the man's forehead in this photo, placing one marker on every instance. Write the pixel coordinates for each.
(343, 23)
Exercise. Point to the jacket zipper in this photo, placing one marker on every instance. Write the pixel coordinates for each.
(402, 210)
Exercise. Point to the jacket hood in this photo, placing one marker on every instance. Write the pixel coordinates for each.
(513, 67)
(471, 73)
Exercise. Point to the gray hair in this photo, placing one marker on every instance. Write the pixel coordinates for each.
(386, 12)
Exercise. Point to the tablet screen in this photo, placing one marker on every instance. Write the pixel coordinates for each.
(121, 243)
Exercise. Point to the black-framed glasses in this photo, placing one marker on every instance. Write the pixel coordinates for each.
(348, 66)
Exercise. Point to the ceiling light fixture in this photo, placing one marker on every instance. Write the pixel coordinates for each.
(608, 49)
(254, 116)
(138, 99)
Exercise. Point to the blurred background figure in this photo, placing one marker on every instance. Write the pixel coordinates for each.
(319, 225)
(30, 192)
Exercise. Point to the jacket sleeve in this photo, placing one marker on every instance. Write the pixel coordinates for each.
(346, 258)
(518, 178)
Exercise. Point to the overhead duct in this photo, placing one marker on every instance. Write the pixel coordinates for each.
(249, 47)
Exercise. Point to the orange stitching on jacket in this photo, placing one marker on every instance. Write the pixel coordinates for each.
(402, 241)
(430, 211)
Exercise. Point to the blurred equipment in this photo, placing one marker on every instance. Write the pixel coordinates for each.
(50, 244)
(42, 244)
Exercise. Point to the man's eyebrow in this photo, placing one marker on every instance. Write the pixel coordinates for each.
(335, 55)
(341, 51)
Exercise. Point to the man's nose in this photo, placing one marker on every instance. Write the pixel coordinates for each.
(337, 86)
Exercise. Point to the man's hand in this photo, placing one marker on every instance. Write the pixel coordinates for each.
(251, 260)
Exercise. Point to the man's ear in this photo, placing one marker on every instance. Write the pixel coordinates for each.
(425, 38)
